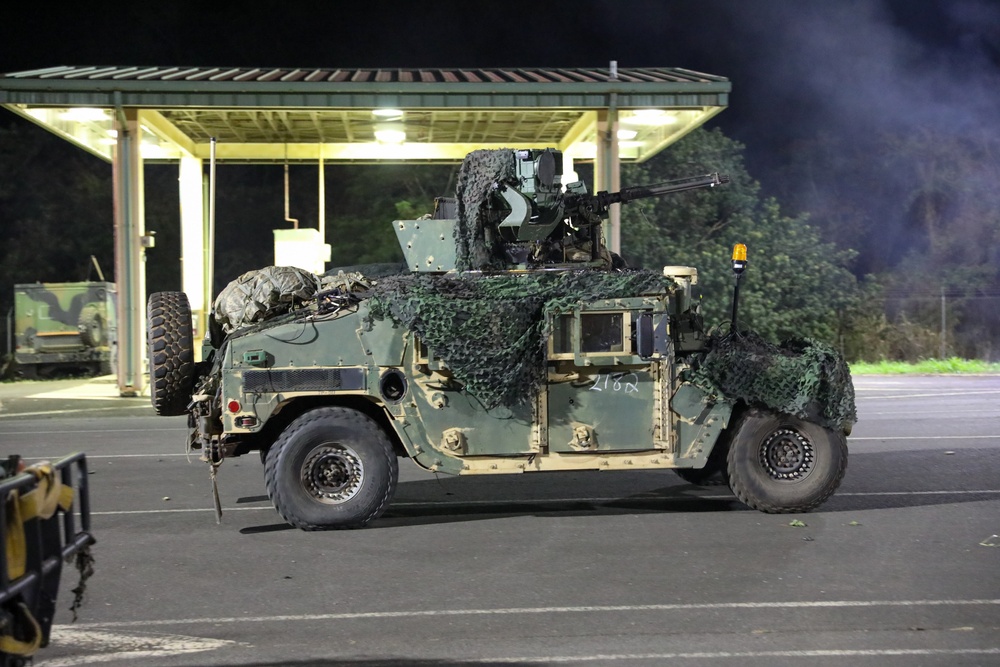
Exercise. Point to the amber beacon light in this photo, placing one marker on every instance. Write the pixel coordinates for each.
(739, 266)
(739, 258)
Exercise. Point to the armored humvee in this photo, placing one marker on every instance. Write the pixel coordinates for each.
(515, 342)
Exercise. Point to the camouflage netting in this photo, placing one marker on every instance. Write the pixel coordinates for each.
(477, 248)
(491, 330)
(264, 293)
(801, 377)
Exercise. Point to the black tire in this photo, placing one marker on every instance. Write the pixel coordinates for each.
(782, 464)
(331, 468)
(171, 352)
(91, 325)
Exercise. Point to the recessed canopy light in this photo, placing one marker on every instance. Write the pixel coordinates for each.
(393, 114)
(390, 133)
(85, 114)
(649, 117)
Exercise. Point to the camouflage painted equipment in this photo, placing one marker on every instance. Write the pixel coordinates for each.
(64, 325)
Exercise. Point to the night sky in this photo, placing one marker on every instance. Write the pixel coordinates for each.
(843, 67)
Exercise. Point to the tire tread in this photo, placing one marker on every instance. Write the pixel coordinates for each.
(738, 481)
(351, 419)
(171, 352)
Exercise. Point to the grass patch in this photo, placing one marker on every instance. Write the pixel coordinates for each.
(926, 366)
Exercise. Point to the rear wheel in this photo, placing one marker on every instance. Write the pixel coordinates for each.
(331, 468)
(171, 352)
(778, 463)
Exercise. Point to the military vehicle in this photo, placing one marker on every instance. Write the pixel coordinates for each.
(44, 521)
(64, 326)
(514, 343)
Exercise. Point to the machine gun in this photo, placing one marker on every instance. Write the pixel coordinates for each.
(512, 211)
(598, 204)
(539, 211)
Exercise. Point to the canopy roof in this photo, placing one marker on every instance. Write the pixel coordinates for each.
(365, 115)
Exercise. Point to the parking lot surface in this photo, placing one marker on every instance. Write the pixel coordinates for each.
(900, 567)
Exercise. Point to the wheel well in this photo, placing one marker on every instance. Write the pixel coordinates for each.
(290, 410)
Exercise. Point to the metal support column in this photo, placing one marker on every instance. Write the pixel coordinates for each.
(193, 272)
(607, 169)
(322, 196)
(130, 255)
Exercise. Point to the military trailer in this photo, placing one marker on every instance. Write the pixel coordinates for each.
(64, 326)
(514, 342)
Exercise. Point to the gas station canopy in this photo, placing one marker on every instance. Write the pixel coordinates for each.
(365, 115)
(190, 115)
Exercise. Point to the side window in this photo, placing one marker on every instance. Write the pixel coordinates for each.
(562, 336)
(601, 332)
(592, 333)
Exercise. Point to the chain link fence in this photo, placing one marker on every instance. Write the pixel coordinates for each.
(926, 325)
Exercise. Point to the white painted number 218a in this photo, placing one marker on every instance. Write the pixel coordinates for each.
(623, 382)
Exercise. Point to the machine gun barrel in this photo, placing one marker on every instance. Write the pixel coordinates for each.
(600, 202)
(678, 185)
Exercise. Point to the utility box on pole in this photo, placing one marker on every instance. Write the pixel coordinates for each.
(301, 248)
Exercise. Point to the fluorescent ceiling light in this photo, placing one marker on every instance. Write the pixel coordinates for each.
(390, 114)
(85, 114)
(390, 133)
(627, 134)
(649, 117)
(151, 151)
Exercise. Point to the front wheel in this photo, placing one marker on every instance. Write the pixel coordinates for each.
(778, 463)
(331, 468)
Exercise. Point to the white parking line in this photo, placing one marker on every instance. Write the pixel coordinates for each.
(742, 655)
(936, 414)
(934, 395)
(512, 611)
(44, 413)
(194, 456)
(925, 437)
(119, 646)
(78, 431)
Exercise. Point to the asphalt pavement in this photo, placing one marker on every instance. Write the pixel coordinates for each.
(900, 567)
